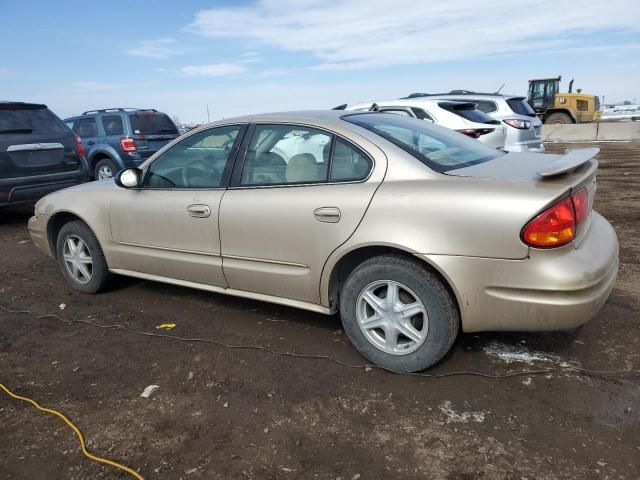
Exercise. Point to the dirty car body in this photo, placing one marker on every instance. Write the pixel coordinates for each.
(407, 229)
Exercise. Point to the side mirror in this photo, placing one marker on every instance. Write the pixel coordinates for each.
(129, 178)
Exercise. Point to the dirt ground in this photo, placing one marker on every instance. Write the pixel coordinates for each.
(239, 414)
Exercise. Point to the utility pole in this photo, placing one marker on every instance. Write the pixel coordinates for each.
(208, 113)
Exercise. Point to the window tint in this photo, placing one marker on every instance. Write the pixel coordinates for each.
(468, 111)
(421, 114)
(29, 118)
(152, 123)
(521, 107)
(348, 163)
(486, 106)
(440, 149)
(112, 125)
(198, 161)
(85, 127)
(286, 154)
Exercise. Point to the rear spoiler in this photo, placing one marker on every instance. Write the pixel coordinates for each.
(569, 161)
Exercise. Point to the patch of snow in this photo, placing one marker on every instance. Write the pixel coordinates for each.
(463, 417)
(512, 353)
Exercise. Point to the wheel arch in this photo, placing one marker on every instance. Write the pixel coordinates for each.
(338, 269)
(55, 224)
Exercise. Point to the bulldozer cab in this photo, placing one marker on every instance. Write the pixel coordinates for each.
(542, 93)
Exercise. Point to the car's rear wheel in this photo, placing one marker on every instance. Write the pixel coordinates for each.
(81, 259)
(398, 314)
(105, 169)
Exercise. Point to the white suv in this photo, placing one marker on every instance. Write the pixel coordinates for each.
(455, 115)
(524, 128)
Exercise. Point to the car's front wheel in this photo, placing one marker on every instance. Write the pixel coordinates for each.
(398, 314)
(81, 259)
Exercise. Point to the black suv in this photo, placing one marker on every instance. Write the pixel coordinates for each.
(38, 153)
(119, 138)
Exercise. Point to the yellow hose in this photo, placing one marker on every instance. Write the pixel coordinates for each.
(75, 430)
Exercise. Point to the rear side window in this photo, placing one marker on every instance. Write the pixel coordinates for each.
(486, 106)
(112, 125)
(468, 111)
(437, 147)
(85, 127)
(348, 163)
(29, 119)
(421, 114)
(520, 106)
(286, 154)
(152, 123)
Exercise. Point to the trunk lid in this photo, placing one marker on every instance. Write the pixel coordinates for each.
(553, 176)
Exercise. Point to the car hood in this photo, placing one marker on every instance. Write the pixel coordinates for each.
(71, 199)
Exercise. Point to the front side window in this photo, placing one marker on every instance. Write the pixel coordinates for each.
(112, 125)
(438, 148)
(85, 127)
(198, 161)
(286, 154)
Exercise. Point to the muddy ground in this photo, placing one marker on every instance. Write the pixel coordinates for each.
(237, 414)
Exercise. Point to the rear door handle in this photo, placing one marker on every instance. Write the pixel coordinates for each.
(199, 211)
(327, 214)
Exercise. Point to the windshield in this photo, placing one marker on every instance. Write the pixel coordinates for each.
(29, 119)
(520, 106)
(438, 148)
(152, 123)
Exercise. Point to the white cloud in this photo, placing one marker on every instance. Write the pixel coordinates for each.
(159, 48)
(373, 33)
(250, 57)
(213, 70)
(90, 86)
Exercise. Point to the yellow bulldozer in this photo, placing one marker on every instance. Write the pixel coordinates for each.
(555, 107)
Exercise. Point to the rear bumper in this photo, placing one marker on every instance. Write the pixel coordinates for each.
(534, 146)
(551, 290)
(29, 189)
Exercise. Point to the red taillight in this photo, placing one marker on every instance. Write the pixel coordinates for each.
(79, 146)
(557, 225)
(128, 144)
(581, 204)
(554, 227)
(476, 132)
(470, 132)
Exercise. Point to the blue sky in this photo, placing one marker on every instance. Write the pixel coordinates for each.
(269, 55)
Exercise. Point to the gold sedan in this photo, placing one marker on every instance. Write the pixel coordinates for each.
(409, 230)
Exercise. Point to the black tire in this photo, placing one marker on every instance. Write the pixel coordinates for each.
(558, 118)
(441, 309)
(106, 164)
(100, 275)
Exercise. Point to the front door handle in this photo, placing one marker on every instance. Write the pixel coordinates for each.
(327, 214)
(199, 211)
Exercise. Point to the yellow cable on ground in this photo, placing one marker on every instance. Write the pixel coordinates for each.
(75, 430)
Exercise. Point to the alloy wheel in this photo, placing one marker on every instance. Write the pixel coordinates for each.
(77, 259)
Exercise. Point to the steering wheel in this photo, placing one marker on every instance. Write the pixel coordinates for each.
(207, 170)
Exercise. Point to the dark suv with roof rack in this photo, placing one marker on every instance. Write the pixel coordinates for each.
(119, 138)
(38, 153)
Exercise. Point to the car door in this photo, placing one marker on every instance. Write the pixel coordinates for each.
(87, 129)
(168, 227)
(299, 193)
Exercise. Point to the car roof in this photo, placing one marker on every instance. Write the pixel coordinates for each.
(9, 103)
(462, 93)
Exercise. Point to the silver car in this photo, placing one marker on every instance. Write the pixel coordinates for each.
(409, 230)
(464, 117)
(524, 128)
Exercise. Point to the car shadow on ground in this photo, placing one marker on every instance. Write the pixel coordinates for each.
(16, 215)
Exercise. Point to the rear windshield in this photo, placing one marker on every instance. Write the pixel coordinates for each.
(29, 119)
(437, 147)
(520, 106)
(152, 123)
(468, 111)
